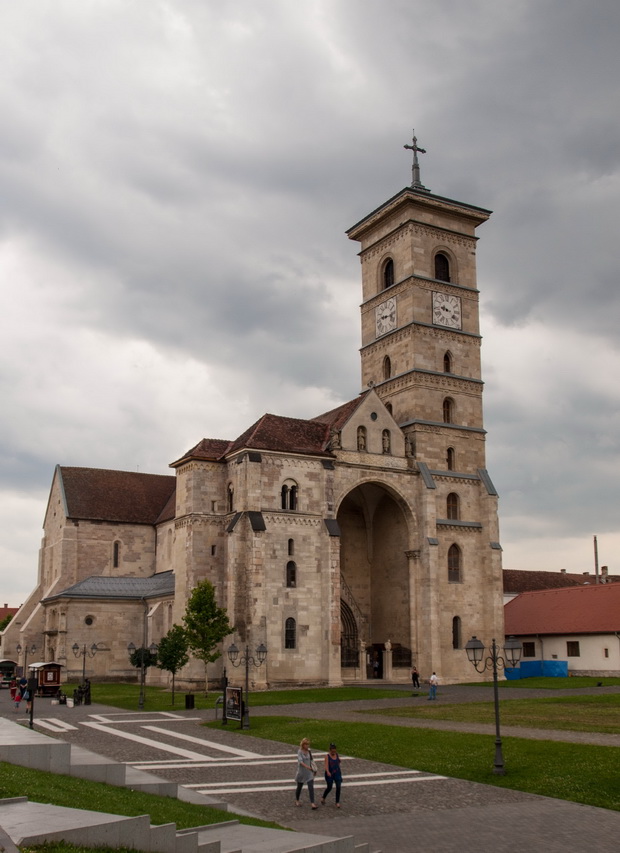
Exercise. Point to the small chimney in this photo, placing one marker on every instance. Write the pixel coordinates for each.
(587, 574)
(563, 571)
(604, 572)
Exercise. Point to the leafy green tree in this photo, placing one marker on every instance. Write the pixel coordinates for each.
(172, 655)
(142, 658)
(206, 625)
(4, 622)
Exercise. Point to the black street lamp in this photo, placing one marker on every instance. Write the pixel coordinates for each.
(512, 655)
(91, 652)
(32, 650)
(152, 649)
(247, 659)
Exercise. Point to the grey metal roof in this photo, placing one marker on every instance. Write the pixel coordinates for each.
(161, 583)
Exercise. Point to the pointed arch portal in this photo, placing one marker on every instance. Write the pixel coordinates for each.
(374, 540)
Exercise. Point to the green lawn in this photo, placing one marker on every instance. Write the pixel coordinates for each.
(126, 696)
(553, 683)
(587, 713)
(40, 786)
(583, 774)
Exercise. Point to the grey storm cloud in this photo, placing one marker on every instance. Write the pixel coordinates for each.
(175, 182)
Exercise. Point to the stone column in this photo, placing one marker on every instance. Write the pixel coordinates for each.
(387, 661)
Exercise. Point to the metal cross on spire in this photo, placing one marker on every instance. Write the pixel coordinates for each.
(416, 183)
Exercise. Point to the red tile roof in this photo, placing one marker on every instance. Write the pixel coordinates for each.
(287, 435)
(590, 609)
(337, 418)
(522, 580)
(99, 495)
(210, 449)
(7, 611)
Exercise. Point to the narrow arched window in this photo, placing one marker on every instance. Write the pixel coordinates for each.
(442, 267)
(288, 495)
(448, 410)
(387, 367)
(450, 459)
(452, 506)
(291, 573)
(447, 363)
(231, 498)
(388, 406)
(386, 441)
(116, 556)
(388, 273)
(291, 547)
(456, 633)
(290, 634)
(361, 438)
(454, 564)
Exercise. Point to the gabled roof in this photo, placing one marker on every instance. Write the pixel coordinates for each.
(573, 610)
(338, 417)
(288, 435)
(95, 494)
(98, 586)
(523, 580)
(209, 449)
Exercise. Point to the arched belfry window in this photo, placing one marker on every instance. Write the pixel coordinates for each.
(361, 438)
(450, 459)
(388, 406)
(388, 273)
(448, 410)
(387, 367)
(447, 363)
(288, 495)
(290, 634)
(231, 498)
(291, 573)
(456, 633)
(452, 506)
(454, 564)
(291, 547)
(442, 267)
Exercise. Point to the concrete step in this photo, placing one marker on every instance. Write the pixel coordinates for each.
(234, 837)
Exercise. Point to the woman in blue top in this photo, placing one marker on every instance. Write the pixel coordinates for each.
(333, 774)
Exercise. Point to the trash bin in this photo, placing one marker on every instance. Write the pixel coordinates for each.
(189, 701)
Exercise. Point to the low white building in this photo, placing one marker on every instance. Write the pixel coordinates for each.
(579, 624)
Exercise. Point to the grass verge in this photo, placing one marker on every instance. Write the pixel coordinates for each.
(68, 791)
(553, 683)
(587, 713)
(575, 772)
(126, 696)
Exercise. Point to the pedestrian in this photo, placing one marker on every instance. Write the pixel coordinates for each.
(433, 682)
(415, 678)
(13, 688)
(333, 774)
(306, 771)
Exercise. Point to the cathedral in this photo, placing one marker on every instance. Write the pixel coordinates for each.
(352, 545)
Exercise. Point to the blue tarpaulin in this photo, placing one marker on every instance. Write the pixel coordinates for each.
(537, 668)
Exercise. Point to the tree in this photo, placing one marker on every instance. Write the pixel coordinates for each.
(172, 655)
(142, 658)
(206, 625)
(4, 622)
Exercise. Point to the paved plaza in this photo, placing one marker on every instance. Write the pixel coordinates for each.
(393, 809)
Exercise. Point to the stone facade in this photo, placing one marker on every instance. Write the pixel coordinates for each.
(327, 538)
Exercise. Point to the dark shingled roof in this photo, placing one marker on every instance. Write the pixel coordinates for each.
(121, 587)
(338, 417)
(98, 495)
(520, 580)
(591, 609)
(287, 435)
(211, 449)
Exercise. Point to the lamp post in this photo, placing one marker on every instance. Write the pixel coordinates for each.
(32, 650)
(152, 650)
(91, 652)
(247, 659)
(512, 655)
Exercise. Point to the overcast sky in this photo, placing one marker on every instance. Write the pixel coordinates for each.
(175, 182)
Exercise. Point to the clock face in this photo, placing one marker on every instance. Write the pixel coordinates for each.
(446, 310)
(385, 317)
